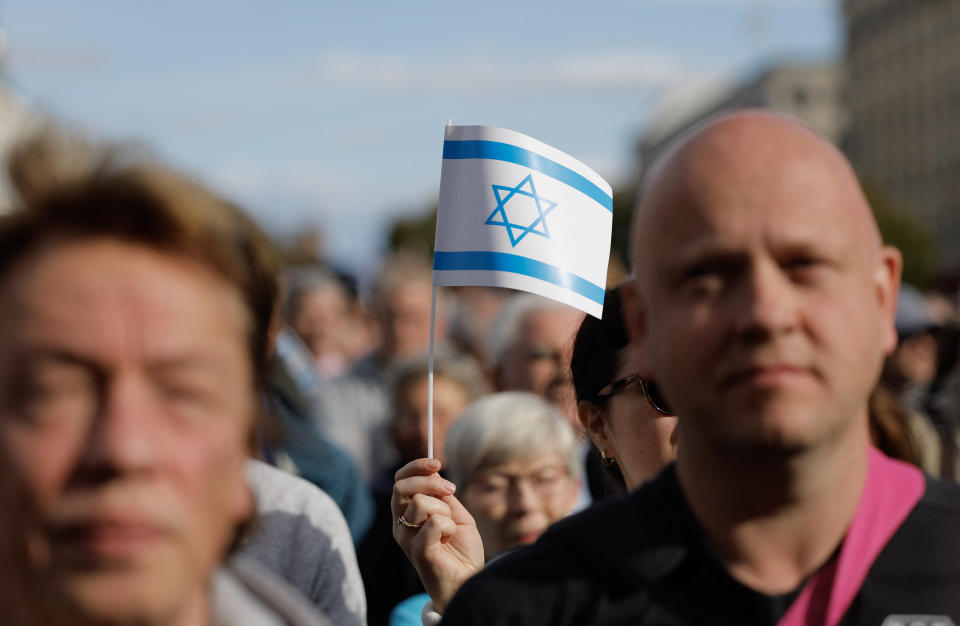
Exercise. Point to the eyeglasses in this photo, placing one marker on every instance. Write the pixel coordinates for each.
(650, 389)
(546, 482)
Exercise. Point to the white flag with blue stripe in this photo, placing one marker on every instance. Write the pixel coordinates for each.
(515, 212)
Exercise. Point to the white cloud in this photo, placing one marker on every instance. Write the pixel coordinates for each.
(479, 73)
(52, 59)
(613, 168)
(294, 193)
(299, 195)
(684, 102)
(245, 179)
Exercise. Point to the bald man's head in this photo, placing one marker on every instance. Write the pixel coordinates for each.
(762, 286)
(728, 156)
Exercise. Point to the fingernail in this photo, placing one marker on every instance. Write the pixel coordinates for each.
(449, 486)
(433, 464)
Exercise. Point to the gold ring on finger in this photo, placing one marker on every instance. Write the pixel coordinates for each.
(402, 521)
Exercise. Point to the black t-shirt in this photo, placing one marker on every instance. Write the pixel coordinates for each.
(643, 559)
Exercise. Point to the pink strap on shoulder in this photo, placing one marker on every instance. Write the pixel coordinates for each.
(893, 488)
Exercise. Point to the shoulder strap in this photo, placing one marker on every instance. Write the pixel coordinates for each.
(891, 492)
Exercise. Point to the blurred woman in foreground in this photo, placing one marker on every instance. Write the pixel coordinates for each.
(515, 458)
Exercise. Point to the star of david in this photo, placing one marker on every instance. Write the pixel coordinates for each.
(504, 194)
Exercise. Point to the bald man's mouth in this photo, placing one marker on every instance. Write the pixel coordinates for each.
(768, 375)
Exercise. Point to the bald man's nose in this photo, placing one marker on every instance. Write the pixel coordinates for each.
(767, 303)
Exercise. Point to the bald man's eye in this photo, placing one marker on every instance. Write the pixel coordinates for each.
(706, 285)
(708, 279)
(805, 269)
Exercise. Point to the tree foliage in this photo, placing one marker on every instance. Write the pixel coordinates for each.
(414, 234)
(623, 201)
(899, 229)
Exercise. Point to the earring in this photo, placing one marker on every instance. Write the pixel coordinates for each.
(607, 460)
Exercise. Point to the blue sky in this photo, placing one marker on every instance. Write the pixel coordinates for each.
(332, 113)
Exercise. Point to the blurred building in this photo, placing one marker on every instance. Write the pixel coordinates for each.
(14, 120)
(813, 93)
(903, 63)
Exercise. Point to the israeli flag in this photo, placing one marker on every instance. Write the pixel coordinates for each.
(515, 212)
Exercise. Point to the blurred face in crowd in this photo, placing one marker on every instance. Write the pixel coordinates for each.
(539, 360)
(764, 300)
(626, 427)
(126, 400)
(513, 503)
(915, 359)
(410, 424)
(475, 311)
(319, 319)
(405, 320)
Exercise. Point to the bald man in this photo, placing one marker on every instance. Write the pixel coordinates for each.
(763, 303)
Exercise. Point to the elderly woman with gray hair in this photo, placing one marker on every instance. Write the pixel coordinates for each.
(514, 458)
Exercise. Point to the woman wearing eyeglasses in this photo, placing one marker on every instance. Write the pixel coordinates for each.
(626, 416)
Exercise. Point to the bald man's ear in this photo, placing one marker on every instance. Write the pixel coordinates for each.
(886, 279)
(635, 321)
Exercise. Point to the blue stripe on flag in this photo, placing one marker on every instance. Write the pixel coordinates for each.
(479, 149)
(515, 264)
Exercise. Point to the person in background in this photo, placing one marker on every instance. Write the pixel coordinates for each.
(292, 440)
(304, 435)
(626, 416)
(515, 461)
(316, 307)
(134, 315)
(474, 310)
(912, 378)
(458, 381)
(300, 534)
(528, 349)
(943, 407)
(912, 367)
(400, 303)
(301, 396)
(901, 433)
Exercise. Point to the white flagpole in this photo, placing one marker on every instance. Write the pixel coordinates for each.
(433, 320)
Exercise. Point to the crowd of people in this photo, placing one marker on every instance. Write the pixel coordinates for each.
(763, 427)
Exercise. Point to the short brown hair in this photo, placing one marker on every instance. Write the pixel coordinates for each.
(68, 188)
